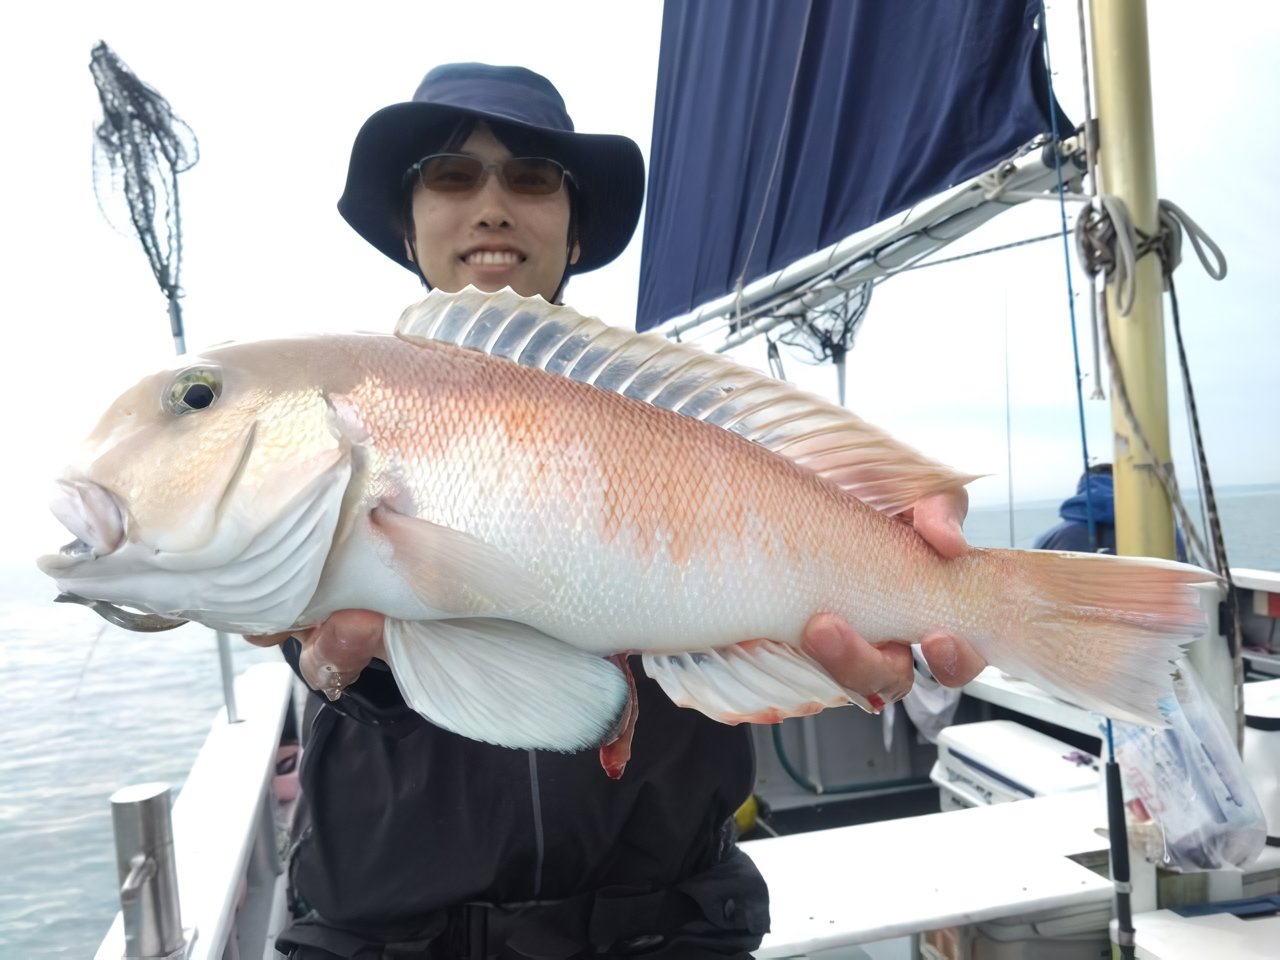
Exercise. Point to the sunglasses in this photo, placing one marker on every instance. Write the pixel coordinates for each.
(460, 173)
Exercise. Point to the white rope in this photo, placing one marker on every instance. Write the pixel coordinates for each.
(1163, 472)
(1174, 221)
(1108, 242)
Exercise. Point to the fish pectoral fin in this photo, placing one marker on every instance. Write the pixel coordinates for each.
(506, 683)
(758, 681)
(452, 571)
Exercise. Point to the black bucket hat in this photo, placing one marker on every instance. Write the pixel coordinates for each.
(608, 169)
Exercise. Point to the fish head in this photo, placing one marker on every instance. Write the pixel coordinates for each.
(209, 490)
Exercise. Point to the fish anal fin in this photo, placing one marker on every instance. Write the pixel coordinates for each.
(758, 681)
(506, 683)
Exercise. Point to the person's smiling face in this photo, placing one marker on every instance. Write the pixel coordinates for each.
(491, 237)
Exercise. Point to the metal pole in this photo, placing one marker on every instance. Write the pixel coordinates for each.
(1144, 518)
(175, 325)
(1126, 157)
(147, 871)
(838, 354)
(178, 330)
(228, 677)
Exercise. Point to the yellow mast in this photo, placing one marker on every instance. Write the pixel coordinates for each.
(1126, 162)
(1127, 169)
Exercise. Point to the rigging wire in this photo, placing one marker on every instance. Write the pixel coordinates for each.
(1123, 934)
(1090, 515)
(740, 285)
(1231, 606)
(1090, 132)
(978, 253)
(1197, 443)
(784, 306)
(1121, 262)
(1008, 420)
(776, 307)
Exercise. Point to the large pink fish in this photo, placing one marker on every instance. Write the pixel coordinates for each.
(526, 493)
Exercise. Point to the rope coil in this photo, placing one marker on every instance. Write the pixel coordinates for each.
(1108, 243)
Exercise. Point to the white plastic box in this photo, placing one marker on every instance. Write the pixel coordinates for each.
(1075, 934)
(998, 761)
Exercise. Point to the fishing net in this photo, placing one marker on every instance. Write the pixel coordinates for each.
(140, 147)
(827, 332)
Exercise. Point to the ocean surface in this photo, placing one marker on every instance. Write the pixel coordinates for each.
(87, 708)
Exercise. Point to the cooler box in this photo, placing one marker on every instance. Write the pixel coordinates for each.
(1261, 753)
(994, 762)
(1079, 933)
(998, 760)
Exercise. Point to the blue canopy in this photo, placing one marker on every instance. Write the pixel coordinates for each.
(781, 128)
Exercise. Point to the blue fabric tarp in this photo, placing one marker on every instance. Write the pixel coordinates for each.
(783, 126)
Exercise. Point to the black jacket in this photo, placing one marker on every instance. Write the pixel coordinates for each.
(406, 822)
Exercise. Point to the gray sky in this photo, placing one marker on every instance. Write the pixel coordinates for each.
(276, 91)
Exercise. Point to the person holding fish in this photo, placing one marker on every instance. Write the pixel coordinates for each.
(508, 545)
(419, 842)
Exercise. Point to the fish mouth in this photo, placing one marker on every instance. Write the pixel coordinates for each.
(230, 568)
(99, 520)
(93, 516)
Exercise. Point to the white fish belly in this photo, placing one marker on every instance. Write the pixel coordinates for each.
(628, 595)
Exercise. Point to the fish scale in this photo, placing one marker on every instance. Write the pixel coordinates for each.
(524, 492)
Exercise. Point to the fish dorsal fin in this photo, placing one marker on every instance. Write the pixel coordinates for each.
(820, 436)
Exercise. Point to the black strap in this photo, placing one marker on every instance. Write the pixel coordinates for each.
(724, 908)
(306, 939)
(539, 930)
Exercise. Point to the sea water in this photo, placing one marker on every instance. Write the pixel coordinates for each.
(86, 708)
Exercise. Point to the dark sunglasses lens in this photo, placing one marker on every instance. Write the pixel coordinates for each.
(533, 175)
(451, 174)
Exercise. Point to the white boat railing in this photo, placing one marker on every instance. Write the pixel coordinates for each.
(230, 870)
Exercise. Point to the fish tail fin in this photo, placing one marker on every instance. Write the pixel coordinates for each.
(1100, 631)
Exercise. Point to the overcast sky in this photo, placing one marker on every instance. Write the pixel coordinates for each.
(275, 92)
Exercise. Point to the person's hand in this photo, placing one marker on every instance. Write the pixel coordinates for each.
(336, 650)
(883, 673)
(939, 520)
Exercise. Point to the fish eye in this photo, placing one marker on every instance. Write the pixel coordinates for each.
(193, 389)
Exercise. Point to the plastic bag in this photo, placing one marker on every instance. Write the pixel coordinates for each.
(1189, 804)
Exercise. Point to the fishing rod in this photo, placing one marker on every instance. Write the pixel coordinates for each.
(1122, 931)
